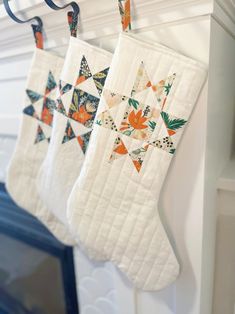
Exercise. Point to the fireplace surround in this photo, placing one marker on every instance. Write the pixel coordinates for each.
(37, 273)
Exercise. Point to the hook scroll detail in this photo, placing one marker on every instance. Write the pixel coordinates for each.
(37, 28)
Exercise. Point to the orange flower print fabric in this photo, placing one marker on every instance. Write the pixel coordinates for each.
(82, 105)
(142, 121)
(138, 155)
(37, 31)
(81, 115)
(139, 121)
(119, 149)
(43, 103)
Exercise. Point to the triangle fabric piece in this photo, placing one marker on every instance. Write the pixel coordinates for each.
(172, 123)
(83, 141)
(142, 80)
(84, 72)
(40, 136)
(38, 107)
(165, 144)
(49, 106)
(30, 111)
(53, 94)
(147, 97)
(69, 133)
(78, 128)
(119, 149)
(89, 87)
(51, 83)
(46, 129)
(105, 120)
(67, 99)
(33, 96)
(162, 89)
(60, 107)
(113, 99)
(64, 87)
(99, 79)
(138, 155)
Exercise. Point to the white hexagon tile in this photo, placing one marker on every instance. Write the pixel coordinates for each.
(95, 283)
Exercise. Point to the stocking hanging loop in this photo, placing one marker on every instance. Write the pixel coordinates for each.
(125, 12)
(37, 28)
(72, 15)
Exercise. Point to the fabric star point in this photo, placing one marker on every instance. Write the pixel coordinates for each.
(47, 110)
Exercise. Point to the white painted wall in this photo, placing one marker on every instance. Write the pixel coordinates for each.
(224, 290)
(186, 26)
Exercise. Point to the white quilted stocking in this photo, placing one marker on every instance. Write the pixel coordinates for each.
(148, 97)
(81, 83)
(33, 139)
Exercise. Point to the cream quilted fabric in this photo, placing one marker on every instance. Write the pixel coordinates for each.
(148, 98)
(81, 83)
(32, 143)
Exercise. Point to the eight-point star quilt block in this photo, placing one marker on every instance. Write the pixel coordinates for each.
(145, 121)
(42, 108)
(38, 113)
(78, 104)
(77, 98)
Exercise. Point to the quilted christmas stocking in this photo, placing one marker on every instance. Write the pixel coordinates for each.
(148, 97)
(80, 87)
(34, 136)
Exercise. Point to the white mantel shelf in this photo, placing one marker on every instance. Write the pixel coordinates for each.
(104, 20)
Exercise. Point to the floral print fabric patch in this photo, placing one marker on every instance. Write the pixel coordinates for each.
(42, 107)
(150, 125)
(82, 105)
(139, 120)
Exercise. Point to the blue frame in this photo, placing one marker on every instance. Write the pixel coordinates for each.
(18, 224)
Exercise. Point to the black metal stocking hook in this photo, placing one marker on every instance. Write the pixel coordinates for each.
(37, 28)
(16, 19)
(73, 4)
